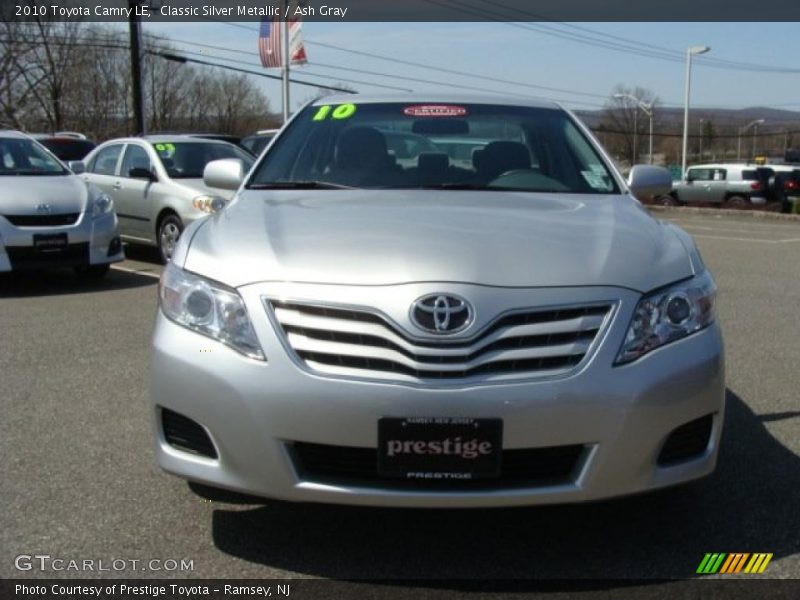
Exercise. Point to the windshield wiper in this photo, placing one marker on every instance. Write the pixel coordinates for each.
(454, 185)
(298, 185)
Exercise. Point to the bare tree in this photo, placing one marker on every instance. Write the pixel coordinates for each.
(626, 121)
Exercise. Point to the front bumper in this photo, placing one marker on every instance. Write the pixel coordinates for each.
(90, 242)
(255, 411)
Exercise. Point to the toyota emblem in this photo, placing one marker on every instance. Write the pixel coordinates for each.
(441, 313)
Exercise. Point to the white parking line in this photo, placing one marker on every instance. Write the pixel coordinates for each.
(738, 239)
(135, 272)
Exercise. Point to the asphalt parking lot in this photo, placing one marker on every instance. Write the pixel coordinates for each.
(79, 479)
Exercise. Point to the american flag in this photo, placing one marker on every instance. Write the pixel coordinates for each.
(270, 44)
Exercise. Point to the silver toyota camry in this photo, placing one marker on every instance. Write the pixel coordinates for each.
(48, 216)
(436, 302)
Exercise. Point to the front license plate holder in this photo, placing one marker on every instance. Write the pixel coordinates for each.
(439, 448)
(50, 242)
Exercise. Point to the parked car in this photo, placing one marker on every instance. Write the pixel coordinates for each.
(735, 185)
(66, 145)
(256, 142)
(157, 184)
(520, 331)
(48, 216)
(220, 137)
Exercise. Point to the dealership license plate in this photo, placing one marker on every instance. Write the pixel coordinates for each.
(50, 242)
(439, 448)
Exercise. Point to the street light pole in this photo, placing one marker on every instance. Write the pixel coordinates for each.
(646, 109)
(691, 51)
(701, 139)
(741, 132)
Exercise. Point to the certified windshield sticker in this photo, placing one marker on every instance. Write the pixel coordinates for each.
(434, 110)
(326, 111)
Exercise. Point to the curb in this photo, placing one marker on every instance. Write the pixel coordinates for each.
(725, 212)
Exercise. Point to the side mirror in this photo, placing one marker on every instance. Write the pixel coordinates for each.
(77, 166)
(225, 174)
(646, 181)
(141, 173)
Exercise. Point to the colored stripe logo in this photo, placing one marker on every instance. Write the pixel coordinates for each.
(735, 562)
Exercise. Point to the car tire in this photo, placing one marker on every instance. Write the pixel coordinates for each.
(170, 229)
(92, 272)
(668, 200)
(737, 202)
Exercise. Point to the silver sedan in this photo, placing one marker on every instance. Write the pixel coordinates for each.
(48, 216)
(488, 318)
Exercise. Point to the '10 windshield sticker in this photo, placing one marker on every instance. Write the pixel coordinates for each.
(343, 111)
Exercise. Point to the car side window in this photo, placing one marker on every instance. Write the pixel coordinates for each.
(700, 174)
(719, 174)
(105, 161)
(135, 157)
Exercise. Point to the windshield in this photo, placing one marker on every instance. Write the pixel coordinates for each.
(68, 149)
(19, 156)
(186, 160)
(464, 146)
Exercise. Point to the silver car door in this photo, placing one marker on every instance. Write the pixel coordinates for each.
(134, 193)
(101, 169)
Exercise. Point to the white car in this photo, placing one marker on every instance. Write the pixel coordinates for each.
(49, 217)
(157, 184)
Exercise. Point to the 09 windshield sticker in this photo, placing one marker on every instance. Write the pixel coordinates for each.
(435, 110)
(165, 150)
(339, 113)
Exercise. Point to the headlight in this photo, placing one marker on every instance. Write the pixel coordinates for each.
(102, 205)
(209, 308)
(668, 315)
(209, 204)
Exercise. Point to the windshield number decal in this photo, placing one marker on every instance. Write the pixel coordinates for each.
(165, 150)
(343, 111)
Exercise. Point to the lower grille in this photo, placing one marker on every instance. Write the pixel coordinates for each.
(185, 434)
(528, 467)
(687, 441)
(28, 257)
(42, 220)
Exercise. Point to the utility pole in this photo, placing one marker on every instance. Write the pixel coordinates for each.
(287, 60)
(136, 66)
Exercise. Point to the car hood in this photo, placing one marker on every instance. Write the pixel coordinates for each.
(21, 195)
(196, 185)
(369, 237)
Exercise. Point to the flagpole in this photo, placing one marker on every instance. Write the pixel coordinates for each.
(286, 62)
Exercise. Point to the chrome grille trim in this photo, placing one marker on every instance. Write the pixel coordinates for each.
(359, 342)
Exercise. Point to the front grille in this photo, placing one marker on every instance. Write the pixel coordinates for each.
(527, 467)
(42, 220)
(340, 341)
(687, 441)
(185, 434)
(28, 257)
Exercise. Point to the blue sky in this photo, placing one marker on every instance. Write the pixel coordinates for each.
(519, 54)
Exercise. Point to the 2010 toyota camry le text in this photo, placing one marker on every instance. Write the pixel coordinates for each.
(436, 302)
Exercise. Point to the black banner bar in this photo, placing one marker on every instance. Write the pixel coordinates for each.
(404, 10)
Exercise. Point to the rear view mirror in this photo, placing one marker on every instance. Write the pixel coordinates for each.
(77, 166)
(441, 127)
(646, 181)
(225, 174)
